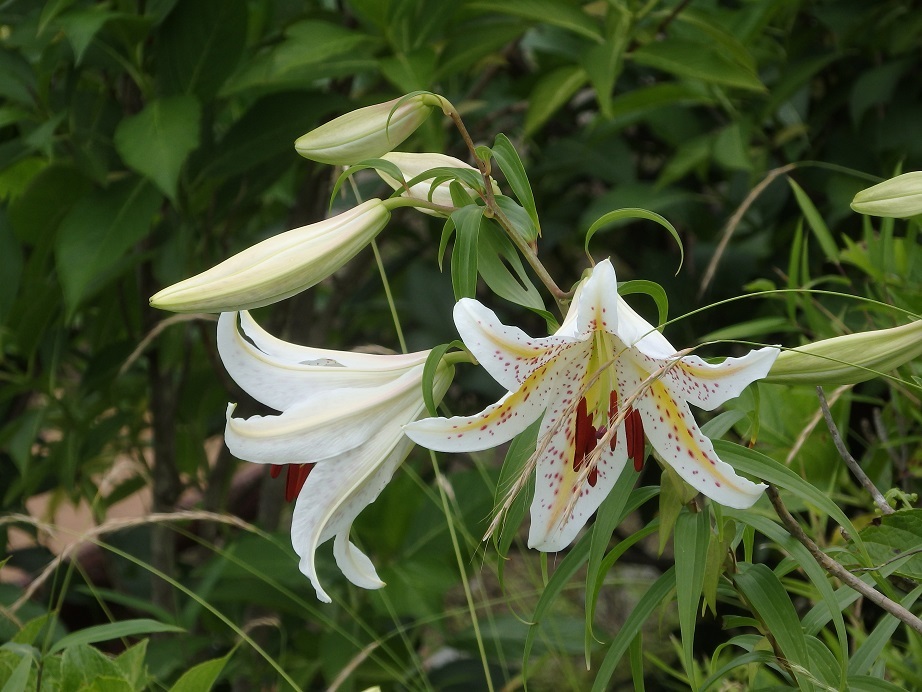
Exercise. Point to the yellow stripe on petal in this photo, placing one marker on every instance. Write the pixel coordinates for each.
(496, 424)
(675, 435)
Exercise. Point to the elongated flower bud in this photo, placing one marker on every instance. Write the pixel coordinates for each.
(848, 359)
(366, 133)
(899, 197)
(278, 267)
(412, 165)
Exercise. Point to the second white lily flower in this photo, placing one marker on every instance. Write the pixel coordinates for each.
(341, 411)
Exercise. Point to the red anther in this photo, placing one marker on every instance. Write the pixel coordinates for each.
(583, 433)
(275, 470)
(593, 477)
(294, 481)
(635, 438)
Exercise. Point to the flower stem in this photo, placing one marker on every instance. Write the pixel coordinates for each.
(561, 297)
(390, 298)
(472, 609)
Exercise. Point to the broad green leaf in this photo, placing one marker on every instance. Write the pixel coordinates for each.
(761, 657)
(268, 129)
(685, 58)
(635, 213)
(564, 14)
(410, 71)
(551, 92)
(730, 45)
(655, 595)
(81, 27)
(312, 49)
(464, 50)
(112, 630)
(200, 45)
(869, 683)
(894, 535)
(634, 104)
(157, 141)
(97, 232)
(467, 222)
(36, 214)
(692, 537)
(765, 593)
(203, 676)
(511, 165)
(816, 223)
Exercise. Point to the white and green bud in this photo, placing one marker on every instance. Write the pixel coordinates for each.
(412, 165)
(899, 197)
(367, 133)
(278, 267)
(848, 359)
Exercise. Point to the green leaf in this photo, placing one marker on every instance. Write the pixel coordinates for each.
(19, 679)
(692, 537)
(202, 676)
(201, 43)
(11, 261)
(520, 450)
(685, 58)
(157, 141)
(894, 535)
(649, 288)
(764, 467)
(635, 213)
(816, 223)
(563, 14)
(863, 658)
(467, 222)
(655, 595)
(765, 593)
(565, 571)
(603, 61)
(518, 217)
(511, 165)
(610, 513)
(112, 630)
(496, 254)
(550, 94)
(81, 27)
(94, 236)
(429, 372)
(36, 214)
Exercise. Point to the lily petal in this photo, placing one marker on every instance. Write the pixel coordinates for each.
(497, 423)
(507, 353)
(282, 377)
(553, 527)
(674, 434)
(333, 497)
(708, 385)
(323, 427)
(598, 301)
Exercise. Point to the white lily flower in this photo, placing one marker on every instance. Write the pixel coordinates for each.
(342, 412)
(412, 165)
(605, 365)
(280, 266)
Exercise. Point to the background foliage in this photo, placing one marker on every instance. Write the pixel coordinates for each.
(141, 142)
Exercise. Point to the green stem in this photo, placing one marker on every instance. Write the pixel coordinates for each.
(390, 297)
(561, 297)
(440, 482)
